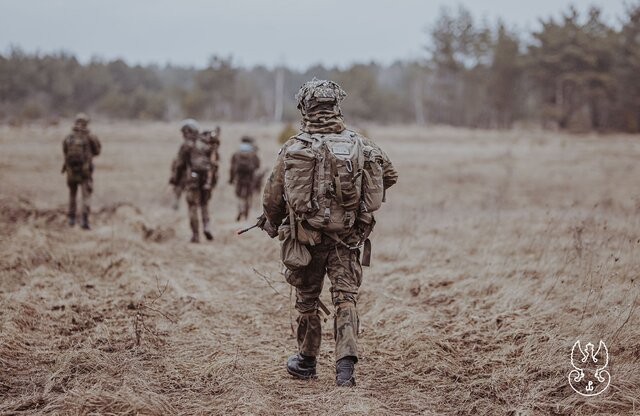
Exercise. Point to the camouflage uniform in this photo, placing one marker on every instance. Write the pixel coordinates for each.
(244, 164)
(179, 185)
(339, 263)
(80, 172)
(199, 182)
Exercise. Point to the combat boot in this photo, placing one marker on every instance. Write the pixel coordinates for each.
(195, 238)
(72, 220)
(207, 231)
(301, 366)
(85, 222)
(344, 372)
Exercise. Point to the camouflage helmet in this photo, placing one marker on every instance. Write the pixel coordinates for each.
(82, 118)
(319, 91)
(189, 124)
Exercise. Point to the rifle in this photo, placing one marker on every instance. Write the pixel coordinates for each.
(264, 224)
(262, 220)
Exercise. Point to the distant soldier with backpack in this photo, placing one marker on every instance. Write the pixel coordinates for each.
(244, 164)
(197, 163)
(79, 148)
(322, 193)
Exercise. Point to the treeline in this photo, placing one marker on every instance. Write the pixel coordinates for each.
(575, 71)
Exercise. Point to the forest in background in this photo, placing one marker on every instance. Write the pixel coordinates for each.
(575, 71)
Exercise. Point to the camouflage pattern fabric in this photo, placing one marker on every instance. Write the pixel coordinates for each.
(177, 180)
(343, 268)
(244, 181)
(198, 184)
(198, 197)
(86, 188)
(82, 178)
(318, 101)
(322, 120)
(273, 202)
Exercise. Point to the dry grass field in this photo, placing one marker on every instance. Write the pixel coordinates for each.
(495, 252)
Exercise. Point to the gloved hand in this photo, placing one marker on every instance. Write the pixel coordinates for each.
(270, 229)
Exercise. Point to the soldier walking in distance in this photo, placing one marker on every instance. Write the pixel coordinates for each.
(79, 148)
(244, 164)
(322, 192)
(197, 163)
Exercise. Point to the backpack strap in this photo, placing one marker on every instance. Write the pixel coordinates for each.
(336, 179)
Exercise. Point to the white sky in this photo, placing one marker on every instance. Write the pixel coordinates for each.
(298, 33)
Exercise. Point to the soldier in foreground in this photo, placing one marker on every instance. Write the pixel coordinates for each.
(197, 163)
(244, 164)
(79, 148)
(322, 192)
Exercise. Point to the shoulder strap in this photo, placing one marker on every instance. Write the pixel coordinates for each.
(305, 137)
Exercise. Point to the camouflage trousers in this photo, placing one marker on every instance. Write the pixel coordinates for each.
(198, 199)
(244, 191)
(343, 268)
(86, 188)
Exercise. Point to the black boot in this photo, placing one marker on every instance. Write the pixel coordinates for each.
(207, 231)
(344, 372)
(72, 220)
(301, 366)
(85, 222)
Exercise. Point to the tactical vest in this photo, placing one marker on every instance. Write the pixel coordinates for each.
(330, 180)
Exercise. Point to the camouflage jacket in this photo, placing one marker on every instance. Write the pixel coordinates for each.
(274, 205)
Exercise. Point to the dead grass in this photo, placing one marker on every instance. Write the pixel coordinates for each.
(496, 251)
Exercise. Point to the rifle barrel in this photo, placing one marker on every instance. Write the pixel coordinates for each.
(246, 229)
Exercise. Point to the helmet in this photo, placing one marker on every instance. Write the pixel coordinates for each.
(247, 139)
(82, 118)
(189, 125)
(319, 91)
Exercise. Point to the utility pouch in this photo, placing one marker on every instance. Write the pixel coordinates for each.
(293, 253)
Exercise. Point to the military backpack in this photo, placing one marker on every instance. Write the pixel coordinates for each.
(332, 180)
(245, 163)
(200, 155)
(77, 154)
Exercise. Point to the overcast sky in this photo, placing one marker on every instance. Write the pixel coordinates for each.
(298, 33)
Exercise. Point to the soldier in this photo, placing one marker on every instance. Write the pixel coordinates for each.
(244, 164)
(197, 162)
(79, 148)
(326, 183)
